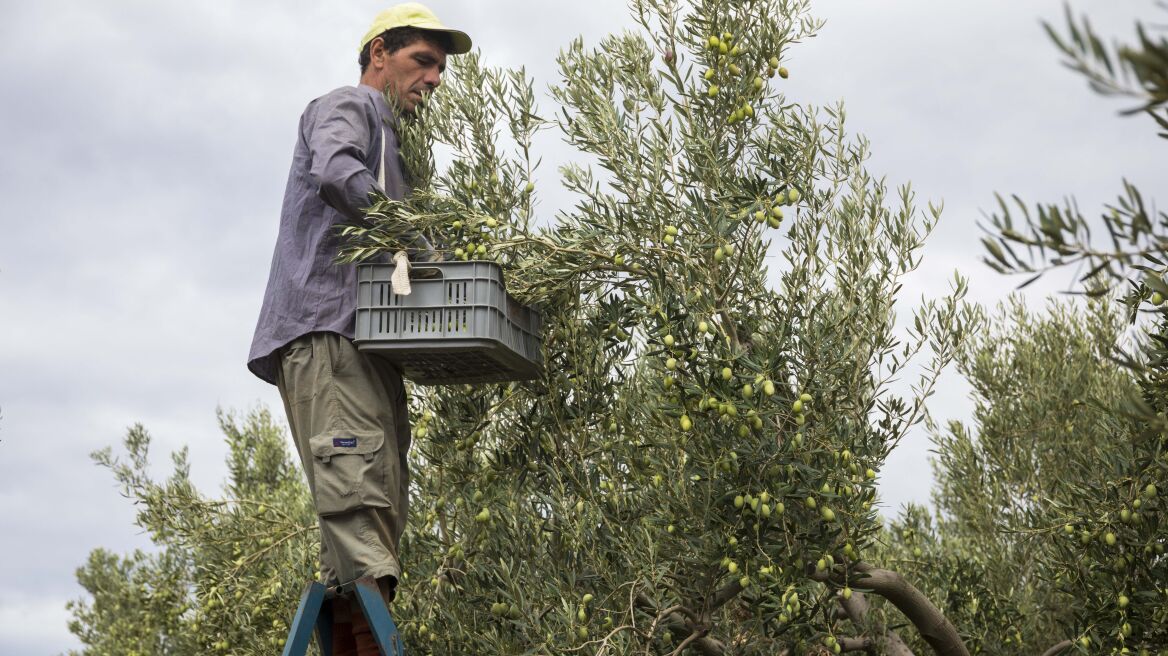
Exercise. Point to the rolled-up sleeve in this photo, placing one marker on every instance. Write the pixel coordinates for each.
(337, 145)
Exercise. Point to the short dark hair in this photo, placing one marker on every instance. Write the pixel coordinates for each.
(396, 38)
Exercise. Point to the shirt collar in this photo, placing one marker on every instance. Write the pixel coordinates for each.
(387, 114)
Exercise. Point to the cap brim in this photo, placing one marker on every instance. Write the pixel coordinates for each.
(460, 42)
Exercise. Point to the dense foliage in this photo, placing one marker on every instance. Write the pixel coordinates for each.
(227, 572)
(1048, 523)
(702, 438)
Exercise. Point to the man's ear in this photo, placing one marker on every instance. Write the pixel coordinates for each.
(376, 49)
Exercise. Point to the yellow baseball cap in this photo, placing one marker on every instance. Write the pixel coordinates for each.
(414, 14)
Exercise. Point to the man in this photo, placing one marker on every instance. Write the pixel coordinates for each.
(348, 412)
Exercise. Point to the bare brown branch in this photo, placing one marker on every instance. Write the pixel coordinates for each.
(1057, 648)
(930, 622)
(856, 644)
(723, 595)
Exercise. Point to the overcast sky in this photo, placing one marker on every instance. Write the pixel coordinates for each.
(145, 145)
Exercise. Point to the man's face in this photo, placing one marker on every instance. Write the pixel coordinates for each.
(409, 73)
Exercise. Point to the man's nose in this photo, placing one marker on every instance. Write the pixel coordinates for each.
(433, 78)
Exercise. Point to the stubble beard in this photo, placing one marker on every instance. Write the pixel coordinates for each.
(397, 103)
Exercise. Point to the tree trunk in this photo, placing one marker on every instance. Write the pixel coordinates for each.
(857, 610)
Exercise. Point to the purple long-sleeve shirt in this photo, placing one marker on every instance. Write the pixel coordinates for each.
(334, 168)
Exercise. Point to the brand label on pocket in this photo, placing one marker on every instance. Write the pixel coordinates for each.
(345, 442)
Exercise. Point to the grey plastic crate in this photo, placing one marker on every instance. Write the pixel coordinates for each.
(458, 326)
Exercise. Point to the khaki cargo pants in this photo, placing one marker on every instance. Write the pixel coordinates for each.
(350, 422)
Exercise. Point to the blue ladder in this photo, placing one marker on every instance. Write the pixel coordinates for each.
(316, 610)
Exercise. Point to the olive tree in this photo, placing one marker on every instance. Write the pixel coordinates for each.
(696, 468)
(1034, 505)
(226, 571)
(1053, 492)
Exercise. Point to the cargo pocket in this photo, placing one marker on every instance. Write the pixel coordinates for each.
(349, 471)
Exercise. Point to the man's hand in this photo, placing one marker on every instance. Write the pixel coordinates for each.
(423, 251)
